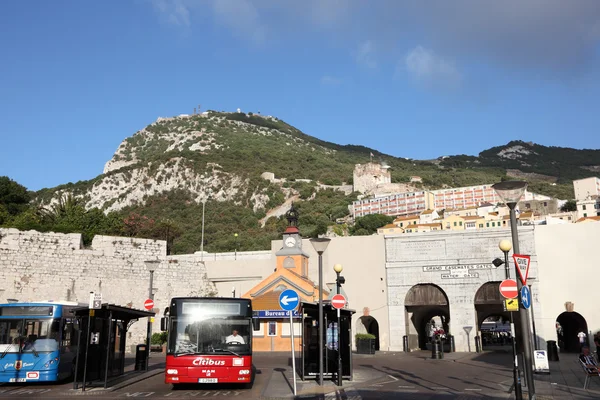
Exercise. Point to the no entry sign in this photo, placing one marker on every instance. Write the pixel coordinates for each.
(508, 288)
(149, 304)
(338, 301)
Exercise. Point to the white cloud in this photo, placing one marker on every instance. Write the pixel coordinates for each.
(329, 80)
(242, 18)
(175, 12)
(365, 55)
(430, 69)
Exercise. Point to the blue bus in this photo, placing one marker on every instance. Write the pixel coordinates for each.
(38, 341)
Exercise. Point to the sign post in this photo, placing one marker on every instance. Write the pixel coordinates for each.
(288, 301)
(338, 302)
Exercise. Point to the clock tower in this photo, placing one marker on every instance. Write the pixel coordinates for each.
(291, 256)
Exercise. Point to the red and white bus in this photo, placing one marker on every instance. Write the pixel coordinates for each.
(209, 340)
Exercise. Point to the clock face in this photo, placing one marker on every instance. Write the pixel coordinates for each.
(290, 241)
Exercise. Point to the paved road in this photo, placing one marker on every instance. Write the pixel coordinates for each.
(381, 377)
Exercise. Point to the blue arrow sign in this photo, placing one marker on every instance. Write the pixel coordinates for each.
(288, 300)
(525, 297)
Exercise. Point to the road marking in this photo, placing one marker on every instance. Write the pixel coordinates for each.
(352, 394)
(331, 395)
(394, 379)
(475, 390)
(406, 387)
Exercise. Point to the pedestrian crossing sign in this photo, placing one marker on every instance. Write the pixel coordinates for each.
(511, 305)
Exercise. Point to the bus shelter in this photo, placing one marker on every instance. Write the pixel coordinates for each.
(101, 353)
(310, 341)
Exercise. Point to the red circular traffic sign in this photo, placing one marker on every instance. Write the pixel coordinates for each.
(338, 301)
(149, 304)
(508, 288)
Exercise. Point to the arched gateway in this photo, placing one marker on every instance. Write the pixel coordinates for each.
(422, 304)
(489, 309)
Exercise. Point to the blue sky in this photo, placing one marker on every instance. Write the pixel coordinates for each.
(418, 79)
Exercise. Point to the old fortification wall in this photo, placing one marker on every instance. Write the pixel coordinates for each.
(55, 266)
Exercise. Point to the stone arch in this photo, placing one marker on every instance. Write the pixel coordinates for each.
(568, 325)
(422, 303)
(488, 304)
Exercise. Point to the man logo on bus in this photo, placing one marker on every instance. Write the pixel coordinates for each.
(18, 364)
(204, 361)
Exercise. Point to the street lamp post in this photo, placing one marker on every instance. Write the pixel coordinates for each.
(505, 247)
(511, 192)
(202, 238)
(151, 266)
(236, 244)
(320, 245)
(338, 283)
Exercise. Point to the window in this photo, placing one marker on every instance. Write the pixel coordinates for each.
(481, 225)
(487, 224)
(583, 207)
(493, 224)
(260, 332)
(460, 223)
(545, 204)
(272, 328)
(527, 205)
(285, 329)
(454, 223)
(584, 215)
(401, 224)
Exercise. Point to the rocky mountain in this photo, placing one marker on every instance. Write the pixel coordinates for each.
(247, 168)
(533, 161)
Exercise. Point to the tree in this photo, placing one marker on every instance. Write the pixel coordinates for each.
(13, 197)
(369, 224)
(570, 205)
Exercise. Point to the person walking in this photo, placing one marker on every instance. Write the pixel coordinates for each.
(582, 336)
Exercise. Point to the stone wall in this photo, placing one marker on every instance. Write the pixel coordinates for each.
(56, 266)
(367, 176)
(458, 263)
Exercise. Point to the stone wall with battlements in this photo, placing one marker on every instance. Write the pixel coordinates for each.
(56, 266)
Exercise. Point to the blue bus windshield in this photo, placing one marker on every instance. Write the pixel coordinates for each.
(29, 335)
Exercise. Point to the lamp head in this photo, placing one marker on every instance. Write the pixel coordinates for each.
(320, 244)
(497, 262)
(151, 265)
(338, 268)
(505, 245)
(510, 191)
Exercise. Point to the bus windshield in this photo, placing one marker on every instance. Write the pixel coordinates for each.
(28, 335)
(210, 335)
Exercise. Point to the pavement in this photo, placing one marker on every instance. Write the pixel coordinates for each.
(386, 375)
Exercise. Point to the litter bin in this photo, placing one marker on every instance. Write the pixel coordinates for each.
(141, 355)
(436, 353)
(552, 350)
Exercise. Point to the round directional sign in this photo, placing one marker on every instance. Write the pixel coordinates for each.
(508, 288)
(149, 304)
(288, 300)
(525, 297)
(338, 301)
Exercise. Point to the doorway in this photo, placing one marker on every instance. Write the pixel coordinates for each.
(568, 326)
(424, 303)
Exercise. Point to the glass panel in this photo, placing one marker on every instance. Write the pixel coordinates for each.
(10, 331)
(205, 335)
(29, 336)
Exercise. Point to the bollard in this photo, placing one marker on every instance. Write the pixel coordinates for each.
(452, 344)
(405, 343)
(477, 344)
(435, 350)
(552, 350)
